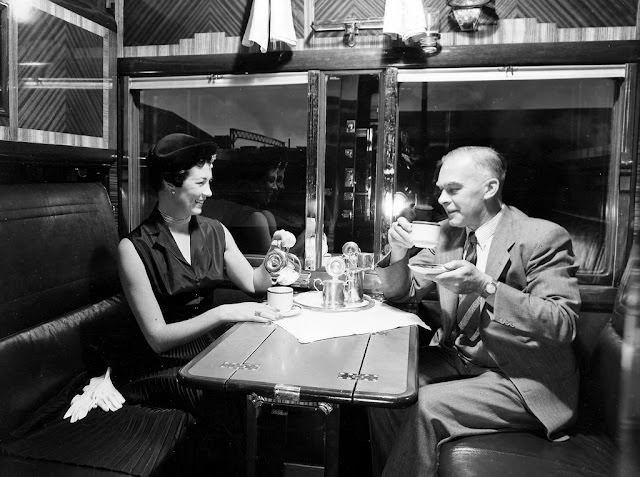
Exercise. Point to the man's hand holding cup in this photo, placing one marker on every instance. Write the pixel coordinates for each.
(400, 238)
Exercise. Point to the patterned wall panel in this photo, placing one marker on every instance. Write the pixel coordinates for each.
(60, 89)
(337, 10)
(565, 13)
(160, 22)
(153, 22)
(183, 27)
(571, 13)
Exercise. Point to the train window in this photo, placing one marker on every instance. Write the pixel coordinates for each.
(559, 129)
(260, 125)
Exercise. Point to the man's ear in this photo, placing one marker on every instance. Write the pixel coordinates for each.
(492, 186)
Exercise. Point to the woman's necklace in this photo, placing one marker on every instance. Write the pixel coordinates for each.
(173, 221)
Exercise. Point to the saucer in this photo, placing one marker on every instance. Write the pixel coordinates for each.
(295, 310)
(313, 301)
(427, 269)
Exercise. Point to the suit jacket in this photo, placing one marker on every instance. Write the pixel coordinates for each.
(529, 330)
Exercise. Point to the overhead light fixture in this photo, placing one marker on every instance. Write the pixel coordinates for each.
(467, 12)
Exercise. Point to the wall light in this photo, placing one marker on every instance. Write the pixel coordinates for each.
(467, 12)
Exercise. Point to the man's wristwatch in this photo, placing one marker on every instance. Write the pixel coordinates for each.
(489, 289)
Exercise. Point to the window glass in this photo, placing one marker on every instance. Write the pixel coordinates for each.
(556, 134)
(259, 174)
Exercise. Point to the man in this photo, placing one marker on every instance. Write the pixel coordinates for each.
(501, 358)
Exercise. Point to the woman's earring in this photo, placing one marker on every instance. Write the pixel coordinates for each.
(173, 192)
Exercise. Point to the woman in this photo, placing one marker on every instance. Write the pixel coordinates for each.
(171, 264)
(169, 267)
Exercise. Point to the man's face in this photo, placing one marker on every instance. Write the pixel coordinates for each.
(463, 186)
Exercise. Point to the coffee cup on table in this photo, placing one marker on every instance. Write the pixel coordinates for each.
(425, 234)
(280, 298)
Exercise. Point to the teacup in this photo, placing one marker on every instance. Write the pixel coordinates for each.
(280, 298)
(425, 234)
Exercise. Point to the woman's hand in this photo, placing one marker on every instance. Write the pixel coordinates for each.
(247, 311)
(287, 239)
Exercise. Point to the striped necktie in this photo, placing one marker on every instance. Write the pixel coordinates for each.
(469, 306)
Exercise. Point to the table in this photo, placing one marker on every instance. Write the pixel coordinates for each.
(272, 368)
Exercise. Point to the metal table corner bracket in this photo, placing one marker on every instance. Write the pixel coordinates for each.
(286, 394)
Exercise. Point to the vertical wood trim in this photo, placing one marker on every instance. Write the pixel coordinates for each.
(638, 22)
(106, 87)
(12, 76)
(308, 17)
(615, 233)
(111, 100)
(119, 15)
(315, 165)
(133, 157)
(632, 135)
(386, 173)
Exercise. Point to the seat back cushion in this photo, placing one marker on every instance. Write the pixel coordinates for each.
(58, 245)
(36, 364)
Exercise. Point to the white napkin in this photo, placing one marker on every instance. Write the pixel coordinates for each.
(269, 20)
(312, 325)
(404, 18)
(99, 392)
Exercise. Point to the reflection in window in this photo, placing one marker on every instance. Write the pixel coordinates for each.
(258, 183)
(555, 134)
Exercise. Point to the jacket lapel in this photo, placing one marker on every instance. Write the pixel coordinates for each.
(502, 242)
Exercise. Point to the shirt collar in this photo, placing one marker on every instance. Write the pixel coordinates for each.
(486, 231)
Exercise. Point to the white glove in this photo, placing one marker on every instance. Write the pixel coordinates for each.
(80, 407)
(287, 239)
(106, 395)
(99, 392)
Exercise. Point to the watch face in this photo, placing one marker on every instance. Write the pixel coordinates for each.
(491, 288)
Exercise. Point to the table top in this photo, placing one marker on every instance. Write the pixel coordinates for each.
(373, 369)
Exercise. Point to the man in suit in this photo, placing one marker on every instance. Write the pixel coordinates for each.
(501, 358)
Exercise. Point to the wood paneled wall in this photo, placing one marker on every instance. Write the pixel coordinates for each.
(187, 27)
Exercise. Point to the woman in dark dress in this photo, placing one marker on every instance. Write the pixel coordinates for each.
(170, 266)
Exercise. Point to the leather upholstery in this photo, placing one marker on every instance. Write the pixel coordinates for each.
(58, 240)
(62, 321)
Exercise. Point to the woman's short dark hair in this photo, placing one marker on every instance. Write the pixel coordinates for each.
(173, 156)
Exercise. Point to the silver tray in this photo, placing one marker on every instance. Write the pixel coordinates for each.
(312, 300)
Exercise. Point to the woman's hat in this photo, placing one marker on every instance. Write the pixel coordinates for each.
(180, 151)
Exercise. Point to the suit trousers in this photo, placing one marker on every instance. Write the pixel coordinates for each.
(455, 398)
